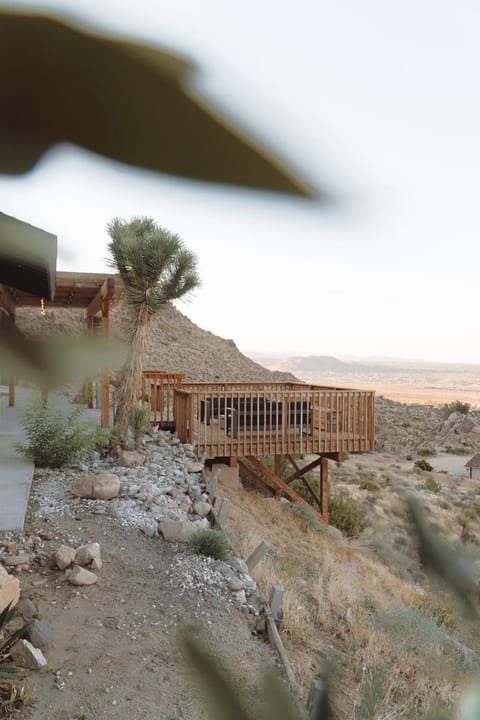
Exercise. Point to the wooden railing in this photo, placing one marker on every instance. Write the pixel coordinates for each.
(255, 419)
(158, 390)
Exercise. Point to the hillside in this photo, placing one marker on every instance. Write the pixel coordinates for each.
(177, 344)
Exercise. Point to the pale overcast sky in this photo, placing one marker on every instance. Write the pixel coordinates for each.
(376, 101)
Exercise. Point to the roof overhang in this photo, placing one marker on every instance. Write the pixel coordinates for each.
(86, 291)
(28, 257)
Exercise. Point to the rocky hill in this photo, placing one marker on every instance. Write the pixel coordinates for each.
(177, 344)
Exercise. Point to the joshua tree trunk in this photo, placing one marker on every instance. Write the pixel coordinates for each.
(129, 386)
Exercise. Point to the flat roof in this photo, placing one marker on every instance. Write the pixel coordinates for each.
(28, 257)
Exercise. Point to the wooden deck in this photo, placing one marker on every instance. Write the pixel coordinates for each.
(245, 422)
(258, 419)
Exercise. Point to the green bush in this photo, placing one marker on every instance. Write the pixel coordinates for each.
(458, 450)
(139, 423)
(455, 406)
(307, 515)
(346, 515)
(423, 465)
(369, 485)
(55, 439)
(213, 543)
(426, 452)
(432, 485)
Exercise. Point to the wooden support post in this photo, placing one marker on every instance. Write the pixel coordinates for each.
(324, 488)
(11, 382)
(278, 472)
(317, 698)
(89, 383)
(257, 555)
(105, 376)
(212, 486)
(222, 511)
(276, 602)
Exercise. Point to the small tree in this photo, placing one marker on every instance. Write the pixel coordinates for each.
(155, 268)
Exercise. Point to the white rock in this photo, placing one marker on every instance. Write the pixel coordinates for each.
(80, 576)
(194, 467)
(87, 553)
(99, 487)
(27, 656)
(9, 589)
(64, 556)
(202, 508)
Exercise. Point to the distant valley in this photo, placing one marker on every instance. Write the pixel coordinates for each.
(405, 381)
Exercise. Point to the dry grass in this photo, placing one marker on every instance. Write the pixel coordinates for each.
(340, 607)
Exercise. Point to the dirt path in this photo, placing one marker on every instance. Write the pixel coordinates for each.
(116, 652)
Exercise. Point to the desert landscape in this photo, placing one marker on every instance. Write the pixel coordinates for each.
(359, 607)
(406, 381)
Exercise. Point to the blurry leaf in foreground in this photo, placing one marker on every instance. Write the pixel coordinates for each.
(130, 102)
(219, 696)
(54, 361)
(470, 704)
(454, 565)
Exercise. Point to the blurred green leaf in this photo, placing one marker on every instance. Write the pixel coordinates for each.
(131, 102)
(219, 697)
(470, 704)
(453, 564)
(54, 361)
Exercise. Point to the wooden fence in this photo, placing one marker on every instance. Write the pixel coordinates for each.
(256, 419)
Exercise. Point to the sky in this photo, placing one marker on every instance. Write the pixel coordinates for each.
(376, 102)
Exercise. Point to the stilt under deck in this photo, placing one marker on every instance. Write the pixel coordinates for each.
(246, 422)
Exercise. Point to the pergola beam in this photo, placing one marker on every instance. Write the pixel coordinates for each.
(106, 292)
(7, 301)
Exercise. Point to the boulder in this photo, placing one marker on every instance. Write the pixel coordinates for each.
(130, 458)
(99, 487)
(202, 508)
(9, 589)
(27, 656)
(89, 553)
(27, 609)
(177, 530)
(194, 467)
(40, 634)
(64, 556)
(80, 576)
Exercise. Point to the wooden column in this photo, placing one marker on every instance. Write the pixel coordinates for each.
(278, 473)
(11, 380)
(89, 382)
(324, 487)
(105, 377)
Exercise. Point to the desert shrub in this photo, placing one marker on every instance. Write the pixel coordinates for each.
(11, 697)
(346, 515)
(308, 515)
(55, 439)
(458, 450)
(426, 452)
(369, 485)
(213, 543)
(432, 485)
(423, 465)
(455, 406)
(139, 423)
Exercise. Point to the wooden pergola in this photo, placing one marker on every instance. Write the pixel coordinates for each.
(92, 292)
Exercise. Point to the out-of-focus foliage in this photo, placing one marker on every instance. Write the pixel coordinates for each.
(222, 701)
(54, 361)
(131, 102)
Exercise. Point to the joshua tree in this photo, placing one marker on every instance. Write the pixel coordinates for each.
(155, 267)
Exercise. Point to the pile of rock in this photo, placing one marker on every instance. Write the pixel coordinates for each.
(74, 562)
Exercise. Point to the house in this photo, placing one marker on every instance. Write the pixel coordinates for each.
(474, 466)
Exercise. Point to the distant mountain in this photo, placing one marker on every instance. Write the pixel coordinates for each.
(328, 364)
